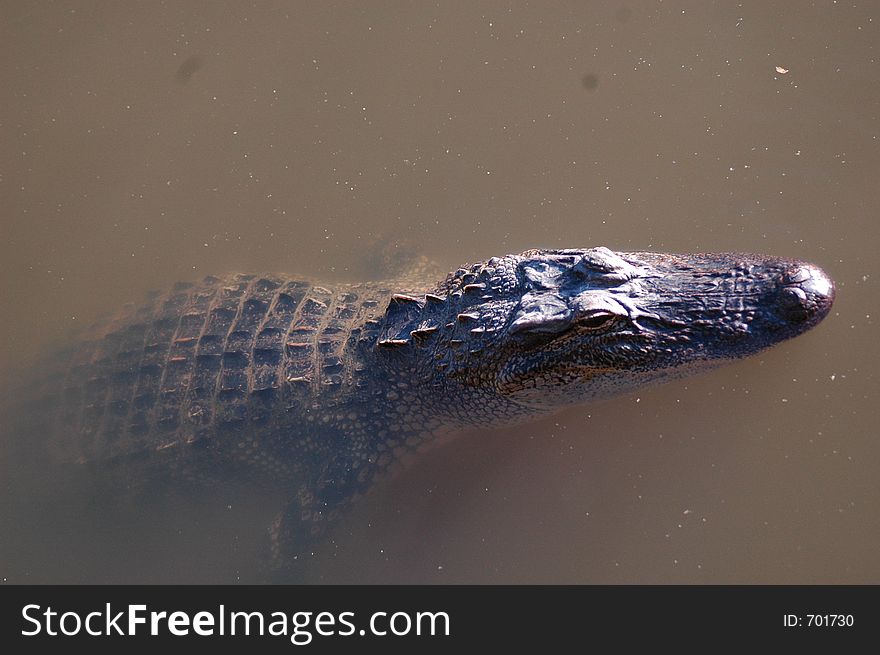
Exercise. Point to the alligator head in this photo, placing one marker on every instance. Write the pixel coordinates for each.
(548, 328)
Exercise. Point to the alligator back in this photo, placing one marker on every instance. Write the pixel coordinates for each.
(231, 366)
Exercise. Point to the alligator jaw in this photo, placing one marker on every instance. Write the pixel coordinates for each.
(735, 304)
(593, 323)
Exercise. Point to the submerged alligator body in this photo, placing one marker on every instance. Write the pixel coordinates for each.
(318, 390)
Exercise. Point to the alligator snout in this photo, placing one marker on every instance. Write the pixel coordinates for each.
(805, 295)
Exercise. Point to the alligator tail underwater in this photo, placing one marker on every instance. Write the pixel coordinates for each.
(319, 390)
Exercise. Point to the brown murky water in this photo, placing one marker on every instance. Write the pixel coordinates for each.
(141, 144)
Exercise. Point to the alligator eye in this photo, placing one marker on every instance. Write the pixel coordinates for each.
(597, 321)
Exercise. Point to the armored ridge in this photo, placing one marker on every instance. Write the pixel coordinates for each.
(316, 390)
(211, 357)
(249, 375)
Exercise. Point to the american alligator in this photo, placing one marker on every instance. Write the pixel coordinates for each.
(321, 389)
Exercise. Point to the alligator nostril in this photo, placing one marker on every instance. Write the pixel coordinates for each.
(817, 283)
(792, 297)
(800, 274)
(794, 304)
(806, 293)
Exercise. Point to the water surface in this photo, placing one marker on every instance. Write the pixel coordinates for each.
(144, 144)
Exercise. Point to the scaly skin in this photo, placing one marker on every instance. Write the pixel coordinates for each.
(318, 390)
